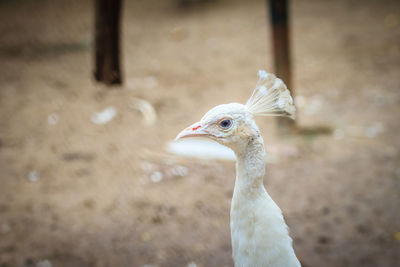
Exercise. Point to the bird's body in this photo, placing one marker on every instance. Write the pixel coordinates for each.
(259, 233)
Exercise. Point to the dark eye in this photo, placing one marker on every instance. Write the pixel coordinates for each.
(225, 124)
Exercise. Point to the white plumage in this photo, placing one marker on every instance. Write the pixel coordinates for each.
(274, 101)
(258, 231)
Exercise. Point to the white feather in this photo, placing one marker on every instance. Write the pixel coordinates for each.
(271, 97)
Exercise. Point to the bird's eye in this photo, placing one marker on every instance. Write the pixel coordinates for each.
(225, 124)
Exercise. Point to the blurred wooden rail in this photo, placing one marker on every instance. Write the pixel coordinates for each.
(107, 41)
(279, 20)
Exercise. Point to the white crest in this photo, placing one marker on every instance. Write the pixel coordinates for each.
(271, 97)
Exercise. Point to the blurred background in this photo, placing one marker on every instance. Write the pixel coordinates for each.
(85, 177)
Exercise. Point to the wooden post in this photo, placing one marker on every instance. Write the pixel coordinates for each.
(279, 17)
(107, 37)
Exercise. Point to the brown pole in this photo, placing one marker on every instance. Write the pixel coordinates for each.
(107, 37)
(279, 19)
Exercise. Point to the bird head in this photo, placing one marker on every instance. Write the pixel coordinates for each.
(228, 124)
(233, 124)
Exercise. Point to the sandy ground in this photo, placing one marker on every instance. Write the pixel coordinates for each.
(74, 193)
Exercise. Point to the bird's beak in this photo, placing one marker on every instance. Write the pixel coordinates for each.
(194, 130)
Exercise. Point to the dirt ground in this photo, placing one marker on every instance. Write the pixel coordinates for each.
(73, 193)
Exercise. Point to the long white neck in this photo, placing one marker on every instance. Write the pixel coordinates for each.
(258, 231)
(250, 169)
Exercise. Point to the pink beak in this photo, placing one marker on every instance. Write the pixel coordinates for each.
(194, 130)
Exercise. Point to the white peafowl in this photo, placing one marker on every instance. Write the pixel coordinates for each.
(259, 233)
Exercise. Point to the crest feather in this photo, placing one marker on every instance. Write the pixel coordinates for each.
(271, 97)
